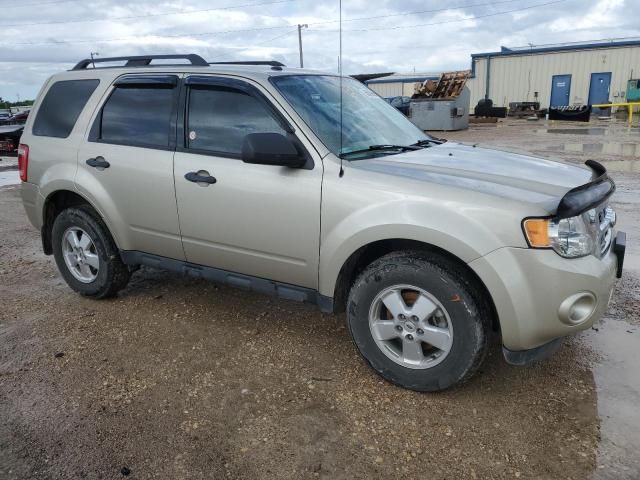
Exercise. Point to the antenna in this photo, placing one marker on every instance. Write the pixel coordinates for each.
(340, 72)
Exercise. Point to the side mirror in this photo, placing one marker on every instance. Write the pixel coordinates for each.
(271, 149)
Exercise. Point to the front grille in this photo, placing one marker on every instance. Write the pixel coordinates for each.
(606, 221)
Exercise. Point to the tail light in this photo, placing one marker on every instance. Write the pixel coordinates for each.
(23, 161)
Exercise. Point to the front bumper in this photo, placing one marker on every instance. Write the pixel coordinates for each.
(534, 290)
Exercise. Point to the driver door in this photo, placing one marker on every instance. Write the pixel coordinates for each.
(258, 220)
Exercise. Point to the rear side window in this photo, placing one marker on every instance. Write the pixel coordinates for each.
(138, 115)
(220, 118)
(61, 107)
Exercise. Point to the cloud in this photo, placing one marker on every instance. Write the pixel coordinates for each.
(422, 42)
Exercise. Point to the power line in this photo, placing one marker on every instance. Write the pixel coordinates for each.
(122, 39)
(147, 15)
(254, 45)
(55, 2)
(417, 12)
(256, 29)
(475, 17)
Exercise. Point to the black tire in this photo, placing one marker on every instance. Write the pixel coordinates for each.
(448, 282)
(112, 274)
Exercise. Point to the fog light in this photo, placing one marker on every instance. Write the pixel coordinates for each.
(577, 308)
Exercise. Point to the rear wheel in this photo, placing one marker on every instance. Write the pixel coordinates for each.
(86, 254)
(419, 320)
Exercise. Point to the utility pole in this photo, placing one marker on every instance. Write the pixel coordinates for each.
(300, 27)
(92, 54)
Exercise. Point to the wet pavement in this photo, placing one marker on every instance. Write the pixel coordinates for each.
(9, 177)
(618, 387)
(613, 346)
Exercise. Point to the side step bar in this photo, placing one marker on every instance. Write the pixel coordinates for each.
(247, 282)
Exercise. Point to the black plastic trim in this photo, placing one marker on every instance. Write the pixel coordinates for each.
(587, 196)
(257, 284)
(146, 81)
(619, 248)
(271, 63)
(522, 358)
(143, 61)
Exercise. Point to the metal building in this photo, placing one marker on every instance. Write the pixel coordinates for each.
(399, 85)
(556, 75)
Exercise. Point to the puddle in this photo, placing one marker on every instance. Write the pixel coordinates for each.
(622, 166)
(626, 149)
(9, 177)
(575, 131)
(618, 388)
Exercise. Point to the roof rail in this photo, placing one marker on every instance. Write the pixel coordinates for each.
(142, 60)
(271, 63)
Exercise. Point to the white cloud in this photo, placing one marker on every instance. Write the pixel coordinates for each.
(435, 41)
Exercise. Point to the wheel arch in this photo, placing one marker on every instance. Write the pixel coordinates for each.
(53, 205)
(368, 253)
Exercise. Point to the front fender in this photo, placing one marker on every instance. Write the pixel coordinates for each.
(463, 232)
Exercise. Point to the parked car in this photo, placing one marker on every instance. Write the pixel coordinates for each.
(20, 117)
(245, 174)
(5, 118)
(401, 103)
(10, 139)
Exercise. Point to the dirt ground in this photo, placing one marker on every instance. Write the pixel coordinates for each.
(181, 378)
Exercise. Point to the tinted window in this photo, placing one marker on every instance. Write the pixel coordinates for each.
(220, 118)
(61, 107)
(138, 116)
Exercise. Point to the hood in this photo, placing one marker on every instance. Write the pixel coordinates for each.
(509, 175)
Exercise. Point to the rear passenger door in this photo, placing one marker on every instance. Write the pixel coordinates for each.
(126, 165)
(259, 220)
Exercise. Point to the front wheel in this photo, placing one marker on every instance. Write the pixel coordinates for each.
(86, 254)
(419, 320)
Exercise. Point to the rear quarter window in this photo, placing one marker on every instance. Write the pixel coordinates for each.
(61, 107)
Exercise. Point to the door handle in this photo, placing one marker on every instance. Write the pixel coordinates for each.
(200, 176)
(98, 162)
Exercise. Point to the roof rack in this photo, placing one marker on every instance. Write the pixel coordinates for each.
(271, 63)
(142, 61)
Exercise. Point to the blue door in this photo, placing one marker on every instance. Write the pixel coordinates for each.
(599, 89)
(560, 90)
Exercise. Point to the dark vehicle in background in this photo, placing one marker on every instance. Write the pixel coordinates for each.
(401, 103)
(5, 118)
(10, 139)
(20, 117)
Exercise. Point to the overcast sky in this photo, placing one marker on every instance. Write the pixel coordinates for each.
(41, 37)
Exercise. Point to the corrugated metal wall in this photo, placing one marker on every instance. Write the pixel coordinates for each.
(394, 89)
(409, 88)
(387, 89)
(516, 78)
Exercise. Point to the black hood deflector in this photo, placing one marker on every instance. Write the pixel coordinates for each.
(580, 199)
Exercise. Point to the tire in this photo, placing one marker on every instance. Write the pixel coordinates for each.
(101, 273)
(414, 284)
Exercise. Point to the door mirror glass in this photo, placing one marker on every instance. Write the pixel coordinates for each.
(271, 149)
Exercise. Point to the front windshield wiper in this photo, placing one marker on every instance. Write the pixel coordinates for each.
(381, 148)
(428, 141)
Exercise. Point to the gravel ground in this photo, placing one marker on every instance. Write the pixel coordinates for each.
(180, 378)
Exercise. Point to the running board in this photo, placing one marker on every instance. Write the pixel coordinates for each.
(240, 280)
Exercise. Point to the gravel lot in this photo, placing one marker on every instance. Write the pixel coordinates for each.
(180, 378)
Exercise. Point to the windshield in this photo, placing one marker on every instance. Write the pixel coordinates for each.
(367, 120)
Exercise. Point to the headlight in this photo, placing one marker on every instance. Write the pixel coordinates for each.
(569, 237)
